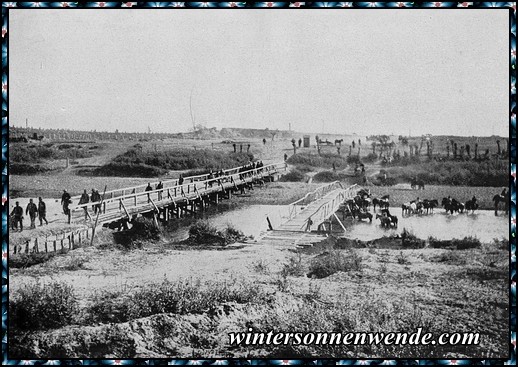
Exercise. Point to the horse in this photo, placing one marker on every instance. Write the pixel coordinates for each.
(405, 208)
(363, 215)
(429, 205)
(339, 141)
(382, 203)
(499, 198)
(385, 221)
(452, 205)
(471, 205)
(386, 212)
(415, 182)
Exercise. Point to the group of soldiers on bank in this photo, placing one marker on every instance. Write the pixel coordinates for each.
(33, 211)
(94, 198)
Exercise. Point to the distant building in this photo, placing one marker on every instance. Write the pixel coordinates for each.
(306, 141)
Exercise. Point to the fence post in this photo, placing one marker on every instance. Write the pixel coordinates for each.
(27, 246)
(36, 246)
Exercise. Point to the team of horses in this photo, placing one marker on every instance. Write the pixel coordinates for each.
(358, 207)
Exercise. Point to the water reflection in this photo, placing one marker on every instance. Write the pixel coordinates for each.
(251, 220)
(483, 224)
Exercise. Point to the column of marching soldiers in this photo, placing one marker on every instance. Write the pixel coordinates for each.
(40, 211)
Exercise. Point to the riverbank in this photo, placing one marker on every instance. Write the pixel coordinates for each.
(265, 285)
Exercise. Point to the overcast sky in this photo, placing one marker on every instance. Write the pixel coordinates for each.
(364, 71)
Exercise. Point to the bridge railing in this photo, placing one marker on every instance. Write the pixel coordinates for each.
(318, 193)
(327, 209)
(168, 183)
(189, 190)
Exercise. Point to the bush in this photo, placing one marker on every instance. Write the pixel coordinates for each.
(314, 160)
(27, 169)
(328, 263)
(325, 176)
(143, 229)
(204, 233)
(178, 297)
(409, 240)
(371, 157)
(293, 267)
(22, 261)
(136, 162)
(457, 173)
(293, 176)
(129, 170)
(458, 244)
(46, 306)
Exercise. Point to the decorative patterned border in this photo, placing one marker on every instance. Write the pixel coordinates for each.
(512, 178)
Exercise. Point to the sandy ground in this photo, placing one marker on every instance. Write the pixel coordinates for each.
(442, 291)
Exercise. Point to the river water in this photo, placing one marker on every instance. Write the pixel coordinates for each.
(251, 220)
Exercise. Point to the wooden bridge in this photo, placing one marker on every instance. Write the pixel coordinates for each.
(175, 199)
(316, 209)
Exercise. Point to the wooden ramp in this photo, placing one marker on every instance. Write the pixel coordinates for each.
(291, 238)
(317, 208)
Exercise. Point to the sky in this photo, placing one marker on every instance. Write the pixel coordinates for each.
(397, 71)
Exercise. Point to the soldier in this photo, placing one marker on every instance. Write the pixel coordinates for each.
(264, 141)
(180, 180)
(160, 186)
(85, 199)
(17, 215)
(149, 188)
(65, 202)
(300, 142)
(32, 210)
(42, 211)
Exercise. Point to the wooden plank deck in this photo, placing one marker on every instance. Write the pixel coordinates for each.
(329, 203)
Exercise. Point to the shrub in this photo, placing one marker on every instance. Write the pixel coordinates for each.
(204, 233)
(402, 259)
(468, 242)
(314, 160)
(325, 176)
(449, 257)
(136, 162)
(471, 173)
(129, 170)
(178, 297)
(28, 260)
(27, 169)
(293, 176)
(143, 229)
(409, 240)
(328, 263)
(46, 306)
(371, 157)
(293, 267)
